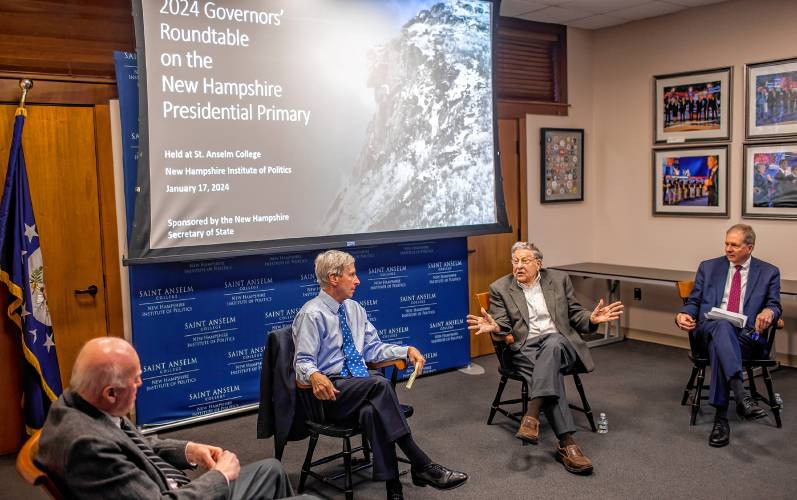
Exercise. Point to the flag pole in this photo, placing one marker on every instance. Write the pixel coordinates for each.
(25, 84)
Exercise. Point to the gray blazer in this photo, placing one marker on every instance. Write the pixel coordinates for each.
(91, 457)
(509, 309)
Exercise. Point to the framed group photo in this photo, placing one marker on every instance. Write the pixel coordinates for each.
(693, 106)
(691, 181)
(770, 181)
(771, 99)
(561, 165)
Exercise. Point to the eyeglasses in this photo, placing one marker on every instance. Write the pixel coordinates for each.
(523, 262)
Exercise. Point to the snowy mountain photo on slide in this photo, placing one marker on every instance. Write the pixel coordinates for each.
(427, 160)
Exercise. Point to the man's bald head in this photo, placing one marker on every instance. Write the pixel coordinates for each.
(107, 374)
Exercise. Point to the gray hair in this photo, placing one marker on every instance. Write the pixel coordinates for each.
(331, 262)
(747, 232)
(526, 245)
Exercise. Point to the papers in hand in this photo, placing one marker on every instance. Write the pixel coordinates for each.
(736, 319)
(412, 377)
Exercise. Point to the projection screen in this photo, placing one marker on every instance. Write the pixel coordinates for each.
(278, 125)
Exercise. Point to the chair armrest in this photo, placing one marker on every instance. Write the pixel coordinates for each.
(398, 363)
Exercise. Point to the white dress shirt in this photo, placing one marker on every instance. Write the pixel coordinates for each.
(540, 322)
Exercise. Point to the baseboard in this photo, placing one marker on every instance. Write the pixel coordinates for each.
(682, 342)
(658, 338)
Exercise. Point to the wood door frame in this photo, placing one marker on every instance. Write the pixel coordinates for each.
(523, 230)
(523, 216)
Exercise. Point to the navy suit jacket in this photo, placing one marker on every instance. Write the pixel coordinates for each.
(763, 290)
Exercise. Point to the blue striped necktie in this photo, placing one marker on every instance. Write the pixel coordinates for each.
(174, 477)
(354, 365)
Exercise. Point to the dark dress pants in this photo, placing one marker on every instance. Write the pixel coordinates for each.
(372, 402)
(726, 346)
(543, 361)
(264, 479)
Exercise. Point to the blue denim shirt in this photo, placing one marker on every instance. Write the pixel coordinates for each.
(319, 343)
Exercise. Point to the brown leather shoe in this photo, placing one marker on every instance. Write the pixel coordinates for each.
(529, 430)
(574, 459)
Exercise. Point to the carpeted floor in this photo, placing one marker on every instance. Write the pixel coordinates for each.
(649, 452)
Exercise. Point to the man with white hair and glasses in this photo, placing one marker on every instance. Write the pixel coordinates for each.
(539, 308)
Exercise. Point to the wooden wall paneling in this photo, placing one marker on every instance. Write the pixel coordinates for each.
(75, 38)
(530, 68)
(10, 348)
(12, 429)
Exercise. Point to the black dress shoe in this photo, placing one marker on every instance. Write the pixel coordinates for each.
(720, 434)
(438, 476)
(748, 409)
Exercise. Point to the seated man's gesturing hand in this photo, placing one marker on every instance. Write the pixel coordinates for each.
(482, 324)
(322, 387)
(202, 454)
(604, 314)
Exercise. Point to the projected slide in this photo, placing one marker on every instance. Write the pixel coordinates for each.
(285, 119)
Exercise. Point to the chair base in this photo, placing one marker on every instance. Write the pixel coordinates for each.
(693, 392)
(524, 399)
(351, 464)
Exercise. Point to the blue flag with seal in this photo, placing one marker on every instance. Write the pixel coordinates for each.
(22, 270)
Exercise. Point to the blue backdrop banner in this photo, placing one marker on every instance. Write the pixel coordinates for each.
(126, 66)
(200, 327)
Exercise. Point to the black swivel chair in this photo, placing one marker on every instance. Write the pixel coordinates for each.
(500, 345)
(319, 426)
(693, 392)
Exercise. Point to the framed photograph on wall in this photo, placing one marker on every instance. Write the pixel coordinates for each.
(561, 165)
(694, 106)
(691, 181)
(771, 99)
(770, 181)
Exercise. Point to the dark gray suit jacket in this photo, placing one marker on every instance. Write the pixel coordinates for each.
(509, 309)
(91, 457)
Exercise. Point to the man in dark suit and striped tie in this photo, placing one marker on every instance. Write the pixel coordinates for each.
(739, 283)
(92, 450)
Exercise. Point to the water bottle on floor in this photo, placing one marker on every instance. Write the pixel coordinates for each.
(603, 424)
(779, 401)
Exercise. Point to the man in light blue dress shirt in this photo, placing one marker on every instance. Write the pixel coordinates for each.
(333, 340)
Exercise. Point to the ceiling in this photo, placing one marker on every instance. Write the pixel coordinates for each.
(594, 14)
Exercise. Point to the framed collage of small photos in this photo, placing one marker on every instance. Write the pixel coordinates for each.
(562, 165)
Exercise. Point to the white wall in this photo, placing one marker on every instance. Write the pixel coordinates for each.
(610, 81)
